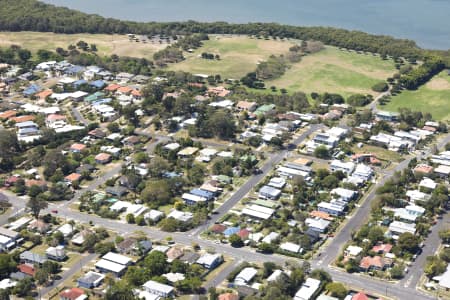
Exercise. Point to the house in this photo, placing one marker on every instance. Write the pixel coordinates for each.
(353, 251)
(308, 289)
(174, 277)
(387, 116)
(210, 261)
(117, 258)
(344, 194)
(444, 279)
(66, 229)
(191, 199)
(382, 248)
(346, 167)
(56, 253)
(187, 152)
(258, 211)
(181, 215)
(442, 171)
(266, 109)
(153, 215)
(360, 296)
(228, 296)
(159, 289)
(379, 263)
(268, 192)
(103, 158)
(189, 257)
(73, 294)
(77, 147)
(363, 172)
(90, 280)
(332, 208)
(117, 191)
(27, 269)
(291, 247)
(29, 257)
(427, 185)
(416, 195)
(106, 266)
(423, 168)
(321, 214)
(277, 182)
(72, 177)
(39, 226)
(317, 224)
(174, 253)
(245, 276)
(397, 228)
(246, 106)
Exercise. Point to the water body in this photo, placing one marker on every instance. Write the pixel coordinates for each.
(425, 21)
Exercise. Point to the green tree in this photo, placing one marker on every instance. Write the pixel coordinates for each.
(337, 289)
(36, 205)
(119, 290)
(322, 152)
(408, 242)
(434, 266)
(156, 263)
(235, 240)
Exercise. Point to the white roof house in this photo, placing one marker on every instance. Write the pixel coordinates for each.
(270, 237)
(275, 275)
(258, 211)
(109, 266)
(317, 224)
(157, 288)
(245, 276)
(344, 194)
(174, 277)
(428, 183)
(117, 258)
(397, 227)
(154, 215)
(172, 146)
(66, 229)
(416, 195)
(277, 182)
(180, 215)
(444, 279)
(353, 250)
(363, 171)
(308, 289)
(291, 247)
(346, 167)
(442, 170)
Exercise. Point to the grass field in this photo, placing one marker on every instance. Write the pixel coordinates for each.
(334, 70)
(106, 44)
(433, 97)
(239, 55)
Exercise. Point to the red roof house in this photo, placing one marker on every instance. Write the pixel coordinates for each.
(360, 296)
(72, 294)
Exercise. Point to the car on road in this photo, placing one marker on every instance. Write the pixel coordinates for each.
(54, 211)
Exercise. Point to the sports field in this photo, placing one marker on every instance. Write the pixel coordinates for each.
(239, 55)
(337, 71)
(433, 97)
(106, 44)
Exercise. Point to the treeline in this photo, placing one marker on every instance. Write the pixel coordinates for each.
(416, 77)
(174, 52)
(32, 15)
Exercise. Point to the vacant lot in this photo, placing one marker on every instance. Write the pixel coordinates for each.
(433, 97)
(336, 71)
(238, 55)
(106, 44)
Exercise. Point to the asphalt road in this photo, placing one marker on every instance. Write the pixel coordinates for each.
(79, 116)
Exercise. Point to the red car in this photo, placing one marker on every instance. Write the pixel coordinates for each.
(55, 211)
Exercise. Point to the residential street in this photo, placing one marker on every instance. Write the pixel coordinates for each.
(405, 290)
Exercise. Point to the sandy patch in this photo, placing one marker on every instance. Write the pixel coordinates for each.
(438, 84)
